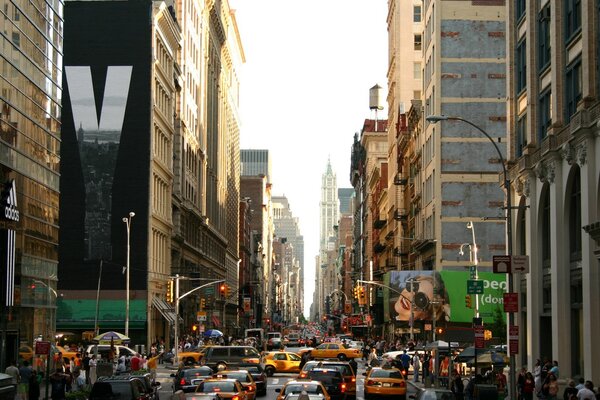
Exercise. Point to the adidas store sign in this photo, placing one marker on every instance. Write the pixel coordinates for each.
(9, 202)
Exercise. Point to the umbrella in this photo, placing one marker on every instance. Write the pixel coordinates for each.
(469, 353)
(111, 337)
(213, 333)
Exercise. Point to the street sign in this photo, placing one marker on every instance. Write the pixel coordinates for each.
(513, 339)
(501, 264)
(42, 348)
(520, 264)
(201, 316)
(472, 272)
(474, 286)
(479, 336)
(511, 302)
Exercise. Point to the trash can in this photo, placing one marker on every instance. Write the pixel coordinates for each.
(8, 391)
(485, 392)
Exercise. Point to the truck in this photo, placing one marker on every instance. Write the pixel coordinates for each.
(257, 333)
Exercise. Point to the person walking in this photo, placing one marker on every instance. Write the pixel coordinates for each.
(570, 392)
(373, 360)
(528, 386)
(34, 386)
(416, 364)
(457, 386)
(25, 373)
(58, 382)
(86, 366)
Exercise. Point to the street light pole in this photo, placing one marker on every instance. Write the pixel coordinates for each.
(509, 248)
(127, 221)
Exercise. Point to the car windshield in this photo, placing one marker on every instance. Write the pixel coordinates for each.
(216, 386)
(343, 368)
(385, 373)
(240, 376)
(309, 388)
(190, 373)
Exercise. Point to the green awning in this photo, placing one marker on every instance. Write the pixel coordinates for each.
(81, 314)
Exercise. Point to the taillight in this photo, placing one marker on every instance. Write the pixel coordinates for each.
(342, 387)
(303, 375)
(182, 382)
(250, 388)
(403, 384)
(236, 397)
(353, 379)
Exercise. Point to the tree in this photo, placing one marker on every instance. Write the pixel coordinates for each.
(498, 326)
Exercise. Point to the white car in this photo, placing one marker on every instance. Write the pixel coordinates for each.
(356, 344)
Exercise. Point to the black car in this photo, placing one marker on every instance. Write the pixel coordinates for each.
(188, 378)
(119, 388)
(260, 377)
(151, 387)
(332, 379)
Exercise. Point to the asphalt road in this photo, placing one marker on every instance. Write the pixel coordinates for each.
(276, 381)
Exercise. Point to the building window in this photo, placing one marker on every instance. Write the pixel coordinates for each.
(572, 18)
(573, 87)
(545, 114)
(417, 95)
(521, 60)
(544, 47)
(520, 9)
(418, 42)
(417, 14)
(521, 135)
(417, 70)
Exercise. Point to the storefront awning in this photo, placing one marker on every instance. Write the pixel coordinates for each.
(165, 309)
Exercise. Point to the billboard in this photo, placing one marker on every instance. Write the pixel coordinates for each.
(426, 295)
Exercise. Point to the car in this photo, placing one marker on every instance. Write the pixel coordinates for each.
(67, 354)
(356, 344)
(303, 396)
(191, 356)
(347, 371)
(25, 353)
(259, 376)
(332, 379)
(433, 394)
(299, 386)
(118, 388)
(292, 339)
(151, 387)
(335, 350)
(224, 388)
(187, 378)
(274, 343)
(384, 382)
(243, 376)
(223, 357)
(104, 350)
(281, 361)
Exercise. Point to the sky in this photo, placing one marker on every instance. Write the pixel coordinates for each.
(304, 93)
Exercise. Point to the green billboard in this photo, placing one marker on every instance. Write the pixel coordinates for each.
(441, 295)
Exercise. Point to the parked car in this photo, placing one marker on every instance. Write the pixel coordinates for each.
(335, 350)
(259, 376)
(299, 386)
(222, 357)
(188, 378)
(281, 361)
(118, 388)
(384, 382)
(104, 350)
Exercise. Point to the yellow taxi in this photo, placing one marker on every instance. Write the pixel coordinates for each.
(191, 356)
(230, 389)
(67, 354)
(25, 353)
(335, 350)
(243, 376)
(299, 386)
(281, 361)
(385, 382)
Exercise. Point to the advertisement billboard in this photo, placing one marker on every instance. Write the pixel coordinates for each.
(441, 295)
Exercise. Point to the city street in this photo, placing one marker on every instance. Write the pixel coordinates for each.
(163, 376)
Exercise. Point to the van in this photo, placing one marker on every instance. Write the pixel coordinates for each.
(222, 357)
(104, 349)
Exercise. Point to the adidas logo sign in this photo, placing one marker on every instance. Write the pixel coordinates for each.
(9, 201)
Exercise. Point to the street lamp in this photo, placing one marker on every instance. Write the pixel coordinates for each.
(127, 221)
(511, 319)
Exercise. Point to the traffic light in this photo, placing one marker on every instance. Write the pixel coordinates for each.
(355, 292)
(468, 301)
(170, 290)
(439, 330)
(223, 290)
(194, 327)
(202, 303)
(362, 296)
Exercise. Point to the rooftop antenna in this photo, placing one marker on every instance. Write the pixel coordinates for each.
(375, 103)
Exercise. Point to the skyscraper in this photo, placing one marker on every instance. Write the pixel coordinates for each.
(329, 208)
(256, 162)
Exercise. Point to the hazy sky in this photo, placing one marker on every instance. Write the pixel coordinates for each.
(305, 93)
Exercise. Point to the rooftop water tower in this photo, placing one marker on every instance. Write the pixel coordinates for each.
(375, 100)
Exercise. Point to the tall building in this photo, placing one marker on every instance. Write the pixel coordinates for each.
(256, 162)
(287, 227)
(553, 120)
(328, 208)
(117, 163)
(30, 123)
(345, 199)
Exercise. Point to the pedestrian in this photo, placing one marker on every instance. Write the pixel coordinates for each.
(587, 393)
(86, 366)
(537, 375)
(554, 369)
(470, 390)
(550, 387)
(521, 382)
(58, 381)
(372, 360)
(354, 365)
(528, 386)
(93, 366)
(405, 359)
(416, 364)
(78, 381)
(570, 392)
(25, 373)
(457, 386)
(34, 386)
